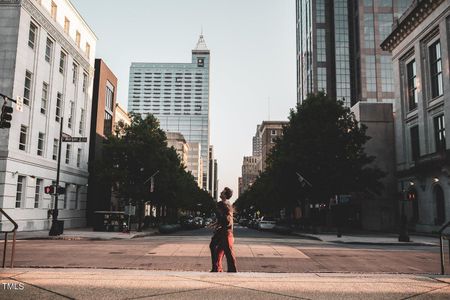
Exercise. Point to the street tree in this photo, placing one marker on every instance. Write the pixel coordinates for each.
(324, 143)
(136, 152)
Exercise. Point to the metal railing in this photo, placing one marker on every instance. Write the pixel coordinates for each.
(442, 237)
(13, 231)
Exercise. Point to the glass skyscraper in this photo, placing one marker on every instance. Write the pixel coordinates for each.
(338, 48)
(178, 95)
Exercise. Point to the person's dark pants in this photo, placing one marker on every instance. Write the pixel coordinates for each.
(225, 247)
(213, 246)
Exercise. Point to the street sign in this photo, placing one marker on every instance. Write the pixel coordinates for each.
(19, 103)
(70, 139)
(130, 210)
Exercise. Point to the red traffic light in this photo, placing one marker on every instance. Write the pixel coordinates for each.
(49, 189)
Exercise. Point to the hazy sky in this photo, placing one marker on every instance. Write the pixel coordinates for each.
(252, 45)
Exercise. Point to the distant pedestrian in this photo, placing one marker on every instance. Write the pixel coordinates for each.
(223, 239)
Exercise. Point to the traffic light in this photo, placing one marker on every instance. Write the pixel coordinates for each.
(49, 189)
(53, 190)
(6, 117)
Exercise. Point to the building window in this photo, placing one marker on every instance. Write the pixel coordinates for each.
(78, 39)
(436, 69)
(68, 150)
(38, 192)
(387, 75)
(385, 24)
(415, 146)
(78, 157)
(80, 130)
(85, 79)
(412, 88)
(44, 99)
(88, 50)
(48, 50)
(74, 73)
(71, 112)
(107, 129)
(27, 88)
(66, 195)
(23, 138)
(66, 25)
(62, 62)
(20, 191)
(58, 107)
(439, 133)
(321, 45)
(109, 101)
(55, 149)
(54, 10)
(371, 74)
(40, 147)
(32, 35)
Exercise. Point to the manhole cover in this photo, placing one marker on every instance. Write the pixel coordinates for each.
(116, 252)
(152, 253)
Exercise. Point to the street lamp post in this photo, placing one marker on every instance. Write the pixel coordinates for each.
(55, 229)
(403, 234)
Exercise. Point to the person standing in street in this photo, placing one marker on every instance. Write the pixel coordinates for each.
(223, 239)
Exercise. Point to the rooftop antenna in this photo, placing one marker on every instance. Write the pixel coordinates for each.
(268, 108)
(201, 30)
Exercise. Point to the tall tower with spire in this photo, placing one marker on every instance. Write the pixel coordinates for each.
(178, 95)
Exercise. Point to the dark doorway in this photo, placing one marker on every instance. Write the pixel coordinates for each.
(440, 205)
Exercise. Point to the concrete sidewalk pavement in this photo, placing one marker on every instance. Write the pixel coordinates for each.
(371, 239)
(84, 234)
(137, 284)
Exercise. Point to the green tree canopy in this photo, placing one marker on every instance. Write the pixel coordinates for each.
(325, 144)
(135, 153)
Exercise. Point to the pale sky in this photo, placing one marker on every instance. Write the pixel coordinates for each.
(252, 45)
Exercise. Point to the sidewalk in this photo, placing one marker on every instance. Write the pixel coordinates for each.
(84, 234)
(137, 284)
(382, 239)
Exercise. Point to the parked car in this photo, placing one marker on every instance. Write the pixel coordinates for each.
(208, 221)
(243, 222)
(198, 222)
(254, 223)
(187, 222)
(266, 223)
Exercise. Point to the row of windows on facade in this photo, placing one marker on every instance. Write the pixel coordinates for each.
(435, 76)
(40, 151)
(59, 103)
(68, 197)
(187, 87)
(439, 137)
(49, 53)
(168, 75)
(54, 13)
(165, 79)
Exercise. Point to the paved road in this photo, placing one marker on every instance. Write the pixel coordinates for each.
(256, 251)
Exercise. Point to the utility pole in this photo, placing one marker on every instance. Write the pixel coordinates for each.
(55, 230)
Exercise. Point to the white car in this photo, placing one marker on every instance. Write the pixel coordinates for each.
(266, 224)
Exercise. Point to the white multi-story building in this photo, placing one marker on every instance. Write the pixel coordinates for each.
(178, 95)
(46, 57)
(420, 47)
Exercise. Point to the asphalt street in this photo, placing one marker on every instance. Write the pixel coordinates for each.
(256, 251)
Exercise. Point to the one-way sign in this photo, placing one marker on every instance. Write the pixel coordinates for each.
(70, 139)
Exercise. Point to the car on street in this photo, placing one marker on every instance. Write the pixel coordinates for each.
(243, 222)
(187, 222)
(266, 223)
(198, 222)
